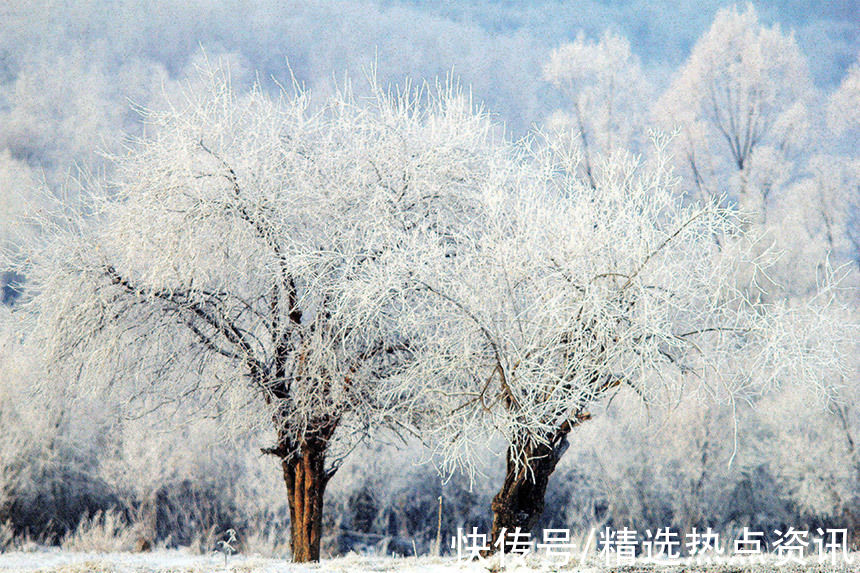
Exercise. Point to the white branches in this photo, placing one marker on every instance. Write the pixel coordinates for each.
(605, 97)
(395, 263)
(236, 245)
(571, 291)
(743, 92)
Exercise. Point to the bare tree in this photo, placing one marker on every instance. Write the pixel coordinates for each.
(741, 102)
(574, 293)
(229, 258)
(843, 121)
(605, 93)
(842, 116)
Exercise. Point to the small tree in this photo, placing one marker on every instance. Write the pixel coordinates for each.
(227, 262)
(575, 292)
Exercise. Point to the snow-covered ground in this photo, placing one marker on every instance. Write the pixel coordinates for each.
(178, 561)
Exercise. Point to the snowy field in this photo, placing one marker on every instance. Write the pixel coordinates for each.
(178, 561)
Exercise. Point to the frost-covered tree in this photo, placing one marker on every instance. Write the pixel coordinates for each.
(573, 293)
(741, 102)
(843, 195)
(816, 221)
(813, 456)
(17, 182)
(605, 96)
(49, 446)
(227, 263)
(843, 116)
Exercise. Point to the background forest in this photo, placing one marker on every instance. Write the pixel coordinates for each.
(762, 102)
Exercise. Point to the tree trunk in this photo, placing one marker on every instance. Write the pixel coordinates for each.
(520, 501)
(306, 479)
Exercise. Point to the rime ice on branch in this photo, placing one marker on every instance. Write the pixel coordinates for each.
(231, 256)
(574, 289)
(741, 102)
(396, 264)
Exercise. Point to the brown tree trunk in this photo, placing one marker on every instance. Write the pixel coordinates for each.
(306, 479)
(520, 501)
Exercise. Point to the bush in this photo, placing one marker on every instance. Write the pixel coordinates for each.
(188, 512)
(48, 499)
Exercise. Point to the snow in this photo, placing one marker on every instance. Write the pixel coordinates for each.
(182, 561)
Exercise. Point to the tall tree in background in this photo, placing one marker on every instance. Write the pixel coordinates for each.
(228, 259)
(843, 121)
(741, 101)
(843, 107)
(605, 97)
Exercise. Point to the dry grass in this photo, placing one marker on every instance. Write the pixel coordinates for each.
(107, 532)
